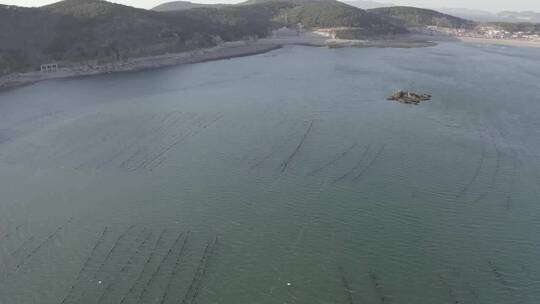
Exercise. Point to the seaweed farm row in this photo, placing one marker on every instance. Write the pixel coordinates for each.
(493, 170)
(141, 265)
(134, 144)
(132, 265)
(452, 285)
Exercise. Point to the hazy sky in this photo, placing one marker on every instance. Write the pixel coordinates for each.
(489, 5)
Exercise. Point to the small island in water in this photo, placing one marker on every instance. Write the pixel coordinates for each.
(409, 97)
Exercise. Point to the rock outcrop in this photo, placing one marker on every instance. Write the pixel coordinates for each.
(409, 97)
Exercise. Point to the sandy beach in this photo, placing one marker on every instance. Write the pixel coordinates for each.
(223, 51)
(509, 42)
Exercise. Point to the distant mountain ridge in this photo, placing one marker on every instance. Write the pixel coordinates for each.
(184, 5)
(525, 16)
(297, 2)
(470, 14)
(413, 17)
(337, 14)
(485, 16)
(368, 4)
(89, 30)
(331, 13)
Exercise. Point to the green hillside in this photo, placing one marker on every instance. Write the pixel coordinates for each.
(80, 30)
(183, 5)
(296, 2)
(413, 17)
(337, 14)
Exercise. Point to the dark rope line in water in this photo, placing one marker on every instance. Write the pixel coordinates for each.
(8, 234)
(191, 287)
(275, 147)
(511, 185)
(474, 177)
(497, 165)
(527, 272)
(147, 157)
(179, 116)
(4, 236)
(129, 145)
(472, 291)
(203, 272)
(155, 157)
(174, 270)
(508, 202)
(126, 161)
(298, 147)
(160, 159)
(114, 248)
(451, 292)
(260, 161)
(481, 197)
(346, 285)
(150, 157)
(136, 252)
(106, 259)
(195, 285)
(158, 268)
(124, 268)
(201, 122)
(21, 247)
(499, 275)
(146, 263)
(42, 244)
(333, 161)
(86, 264)
(120, 149)
(378, 287)
(356, 166)
(371, 163)
(495, 173)
(474, 294)
(99, 161)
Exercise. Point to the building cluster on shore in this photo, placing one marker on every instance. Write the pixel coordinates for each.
(483, 31)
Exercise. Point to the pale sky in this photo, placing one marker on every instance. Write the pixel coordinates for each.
(488, 5)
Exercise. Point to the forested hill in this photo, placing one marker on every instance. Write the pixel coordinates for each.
(80, 30)
(183, 5)
(297, 2)
(337, 14)
(413, 17)
(311, 14)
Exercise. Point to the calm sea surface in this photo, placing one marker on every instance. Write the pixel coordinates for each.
(279, 178)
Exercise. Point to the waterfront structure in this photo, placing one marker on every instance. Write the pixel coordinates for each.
(49, 67)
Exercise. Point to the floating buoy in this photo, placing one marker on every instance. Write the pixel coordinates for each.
(99, 282)
(289, 284)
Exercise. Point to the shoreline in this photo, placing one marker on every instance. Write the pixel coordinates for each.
(508, 42)
(223, 51)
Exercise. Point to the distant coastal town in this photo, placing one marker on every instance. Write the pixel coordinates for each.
(486, 31)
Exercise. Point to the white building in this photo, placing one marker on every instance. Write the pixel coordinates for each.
(49, 67)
